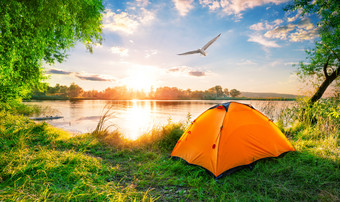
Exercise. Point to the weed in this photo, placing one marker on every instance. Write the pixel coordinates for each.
(103, 126)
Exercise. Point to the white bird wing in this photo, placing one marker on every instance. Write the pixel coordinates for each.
(210, 42)
(190, 52)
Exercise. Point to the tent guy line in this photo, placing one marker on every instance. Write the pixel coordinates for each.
(203, 49)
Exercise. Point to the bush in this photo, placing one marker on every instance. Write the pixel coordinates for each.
(323, 117)
(17, 108)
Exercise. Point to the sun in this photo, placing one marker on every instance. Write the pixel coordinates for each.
(141, 81)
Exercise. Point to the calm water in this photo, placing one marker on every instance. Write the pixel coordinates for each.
(135, 117)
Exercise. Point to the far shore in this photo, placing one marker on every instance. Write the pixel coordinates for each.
(225, 98)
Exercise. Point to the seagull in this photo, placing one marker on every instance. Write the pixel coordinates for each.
(202, 50)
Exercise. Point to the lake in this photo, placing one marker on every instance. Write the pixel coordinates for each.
(136, 117)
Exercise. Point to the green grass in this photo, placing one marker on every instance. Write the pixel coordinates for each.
(39, 162)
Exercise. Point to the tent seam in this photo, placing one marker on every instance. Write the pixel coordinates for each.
(219, 138)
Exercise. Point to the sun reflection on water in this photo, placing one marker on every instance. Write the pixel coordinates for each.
(137, 117)
(139, 120)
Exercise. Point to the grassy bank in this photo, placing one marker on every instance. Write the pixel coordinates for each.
(39, 162)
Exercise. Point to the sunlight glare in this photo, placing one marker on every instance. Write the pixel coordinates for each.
(139, 118)
(140, 80)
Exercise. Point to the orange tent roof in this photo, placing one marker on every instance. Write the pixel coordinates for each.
(229, 136)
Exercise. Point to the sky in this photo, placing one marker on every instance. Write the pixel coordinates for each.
(258, 46)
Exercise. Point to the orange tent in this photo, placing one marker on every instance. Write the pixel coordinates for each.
(230, 136)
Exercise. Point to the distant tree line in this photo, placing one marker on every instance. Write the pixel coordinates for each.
(74, 91)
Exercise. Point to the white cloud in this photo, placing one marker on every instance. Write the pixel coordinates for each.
(294, 32)
(302, 30)
(277, 22)
(302, 34)
(291, 63)
(297, 16)
(236, 7)
(119, 22)
(212, 4)
(257, 27)
(186, 71)
(246, 63)
(266, 25)
(280, 32)
(125, 22)
(142, 2)
(263, 41)
(183, 6)
(120, 51)
(305, 24)
(146, 17)
(82, 75)
(305, 30)
(94, 77)
(149, 53)
(215, 5)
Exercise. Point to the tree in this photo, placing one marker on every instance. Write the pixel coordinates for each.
(234, 93)
(75, 91)
(37, 31)
(197, 94)
(219, 91)
(215, 92)
(226, 92)
(323, 61)
(168, 93)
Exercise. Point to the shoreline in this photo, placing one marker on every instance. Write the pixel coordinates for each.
(226, 98)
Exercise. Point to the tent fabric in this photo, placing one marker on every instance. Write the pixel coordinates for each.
(228, 136)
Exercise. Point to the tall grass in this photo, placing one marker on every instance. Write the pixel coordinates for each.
(104, 123)
(316, 129)
(323, 117)
(18, 108)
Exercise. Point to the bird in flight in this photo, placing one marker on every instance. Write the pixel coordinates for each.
(202, 50)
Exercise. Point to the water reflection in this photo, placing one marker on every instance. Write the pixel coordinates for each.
(136, 117)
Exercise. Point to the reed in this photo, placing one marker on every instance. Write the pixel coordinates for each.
(105, 121)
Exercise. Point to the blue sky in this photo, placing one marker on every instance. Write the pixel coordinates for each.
(258, 45)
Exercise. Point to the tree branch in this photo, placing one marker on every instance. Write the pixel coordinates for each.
(325, 67)
(336, 55)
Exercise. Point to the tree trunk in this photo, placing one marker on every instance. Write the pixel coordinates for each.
(329, 79)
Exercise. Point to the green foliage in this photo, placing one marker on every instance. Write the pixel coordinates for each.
(234, 93)
(214, 93)
(75, 90)
(323, 114)
(165, 138)
(33, 31)
(17, 108)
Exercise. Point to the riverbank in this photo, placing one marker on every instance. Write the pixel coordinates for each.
(40, 162)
